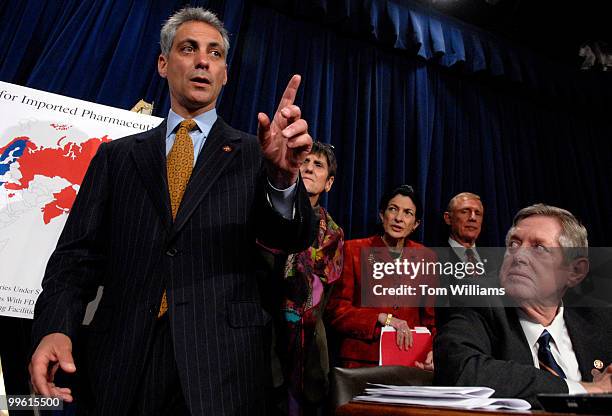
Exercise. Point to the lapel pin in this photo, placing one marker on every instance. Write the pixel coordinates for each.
(227, 148)
(598, 364)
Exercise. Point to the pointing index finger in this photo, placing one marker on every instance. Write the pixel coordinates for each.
(290, 92)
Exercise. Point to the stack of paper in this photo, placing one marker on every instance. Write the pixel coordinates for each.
(456, 397)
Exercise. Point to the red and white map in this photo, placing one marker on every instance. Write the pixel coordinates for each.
(22, 161)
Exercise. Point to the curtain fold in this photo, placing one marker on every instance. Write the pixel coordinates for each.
(407, 25)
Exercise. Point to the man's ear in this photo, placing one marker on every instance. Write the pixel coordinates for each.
(447, 217)
(329, 183)
(579, 269)
(162, 66)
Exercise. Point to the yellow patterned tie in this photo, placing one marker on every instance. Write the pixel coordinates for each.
(179, 165)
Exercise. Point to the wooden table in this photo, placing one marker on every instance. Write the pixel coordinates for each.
(377, 409)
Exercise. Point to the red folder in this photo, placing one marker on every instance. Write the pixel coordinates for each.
(390, 354)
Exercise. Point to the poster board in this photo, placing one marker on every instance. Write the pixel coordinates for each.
(46, 143)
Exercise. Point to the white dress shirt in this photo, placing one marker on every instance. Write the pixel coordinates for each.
(460, 250)
(560, 346)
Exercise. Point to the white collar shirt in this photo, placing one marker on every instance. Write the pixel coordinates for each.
(460, 250)
(560, 346)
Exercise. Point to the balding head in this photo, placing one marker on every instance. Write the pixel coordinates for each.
(464, 217)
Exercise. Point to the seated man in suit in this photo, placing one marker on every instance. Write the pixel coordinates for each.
(541, 345)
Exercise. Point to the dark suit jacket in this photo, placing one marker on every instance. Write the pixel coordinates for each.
(487, 347)
(491, 258)
(120, 234)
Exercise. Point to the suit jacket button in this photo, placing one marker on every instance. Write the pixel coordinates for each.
(172, 252)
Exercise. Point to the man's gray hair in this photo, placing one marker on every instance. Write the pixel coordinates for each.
(573, 233)
(190, 14)
(462, 195)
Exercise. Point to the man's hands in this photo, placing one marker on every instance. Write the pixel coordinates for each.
(53, 351)
(602, 381)
(284, 141)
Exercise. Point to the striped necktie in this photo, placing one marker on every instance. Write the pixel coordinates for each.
(547, 361)
(470, 256)
(179, 165)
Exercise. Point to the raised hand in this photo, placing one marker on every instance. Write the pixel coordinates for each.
(284, 141)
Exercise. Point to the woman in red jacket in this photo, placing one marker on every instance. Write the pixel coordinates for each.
(359, 327)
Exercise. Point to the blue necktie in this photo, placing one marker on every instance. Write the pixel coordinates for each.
(547, 361)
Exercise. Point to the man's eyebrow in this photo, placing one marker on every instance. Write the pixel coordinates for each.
(215, 44)
(190, 41)
(543, 241)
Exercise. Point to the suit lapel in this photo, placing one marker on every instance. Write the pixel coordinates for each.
(221, 146)
(521, 349)
(452, 255)
(583, 334)
(150, 158)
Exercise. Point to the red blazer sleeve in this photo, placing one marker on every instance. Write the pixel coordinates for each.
(426, 310)
(343, 311)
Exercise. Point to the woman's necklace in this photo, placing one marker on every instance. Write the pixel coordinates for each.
(393, 252)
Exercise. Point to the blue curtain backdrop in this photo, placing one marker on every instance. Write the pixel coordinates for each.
(404, 94)
(408, 95)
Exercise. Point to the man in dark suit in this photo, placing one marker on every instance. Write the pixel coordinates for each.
(464, 215)
(464, 218)
(166, 221)
(541, 345)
